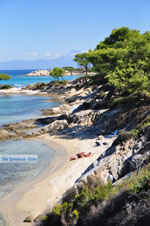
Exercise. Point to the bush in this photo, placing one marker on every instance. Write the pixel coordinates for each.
(71, 212)
(39, 86)
(4, 76)
(5, 87)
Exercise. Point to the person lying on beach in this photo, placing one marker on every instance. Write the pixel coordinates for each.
(80, 155)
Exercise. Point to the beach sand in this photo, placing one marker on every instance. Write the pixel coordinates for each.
(35, 197)
(16, 90)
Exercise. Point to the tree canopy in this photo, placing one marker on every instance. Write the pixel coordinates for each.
(123, 59)
(57, 73)
(82, 60)
(4, 76)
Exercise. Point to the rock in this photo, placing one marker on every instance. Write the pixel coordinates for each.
(38, 73)
(48, 120)
(101, 143)
(136, 161)
(100, 137)
(122, 137)
(139, 160)
(55, 126)
(85, 118)
(60, 110)
(145, 148)
(38, 218)
(95, 164)
(4, 134)
(29, 219)
(24, 125)
(98, 143)
(105, 143)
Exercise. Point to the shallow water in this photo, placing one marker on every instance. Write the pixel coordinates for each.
(15, 108)
(15, 174)
(18, 80)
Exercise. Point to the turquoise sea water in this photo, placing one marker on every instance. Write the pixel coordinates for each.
(18, 80)
(15, 108)
(15, 174)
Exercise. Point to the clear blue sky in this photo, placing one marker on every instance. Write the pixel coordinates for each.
(36, 29)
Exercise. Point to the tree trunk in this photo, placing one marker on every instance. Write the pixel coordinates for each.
(86, 71)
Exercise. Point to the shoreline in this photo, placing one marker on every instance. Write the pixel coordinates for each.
(15, 90)
(9, 202)
(35, 197)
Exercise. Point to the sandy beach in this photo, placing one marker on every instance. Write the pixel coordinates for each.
(16, 90)
(42, 193)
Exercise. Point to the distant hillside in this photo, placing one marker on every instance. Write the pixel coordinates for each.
(63, 61)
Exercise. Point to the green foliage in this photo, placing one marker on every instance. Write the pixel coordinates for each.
(70, 195)
(135, 132)
(39, 86)
(57, 209)
(5, 87)
(131, 99)
(82, 60)
(87, 196)
(4, 76)
(144, 123)
(57, 73)
(123, 60)
(139, 182)
(45, 218)
(62, 82)
(101, 95)
(70, 69)
(76, 214)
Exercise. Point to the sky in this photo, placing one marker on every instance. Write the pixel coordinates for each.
(48, 29)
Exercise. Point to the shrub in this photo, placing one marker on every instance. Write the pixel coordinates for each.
(45, 218)
(144, 123)
(39, 86)
(68, 213)
(5, 87)
(4, 76)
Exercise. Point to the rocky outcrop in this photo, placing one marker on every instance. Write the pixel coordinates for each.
(24, 125)
(38, 73)
(85, 118)
(55, 126)
(62, 109)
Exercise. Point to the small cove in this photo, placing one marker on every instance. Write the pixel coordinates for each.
(15, 108)
(14, 174)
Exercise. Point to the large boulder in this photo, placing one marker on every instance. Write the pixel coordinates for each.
(55, 126)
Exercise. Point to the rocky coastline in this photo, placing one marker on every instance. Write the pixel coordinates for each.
(38, 73)
(115, 128)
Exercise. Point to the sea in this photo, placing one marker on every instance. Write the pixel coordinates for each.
(15, 108)
(18, 79)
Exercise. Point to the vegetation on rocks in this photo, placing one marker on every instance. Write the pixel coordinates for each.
(123, 137)
(121, 85)
(57, 73)
(123, 60)
(5, 87)
(77, 203)
(4, 76)
(116, 98)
